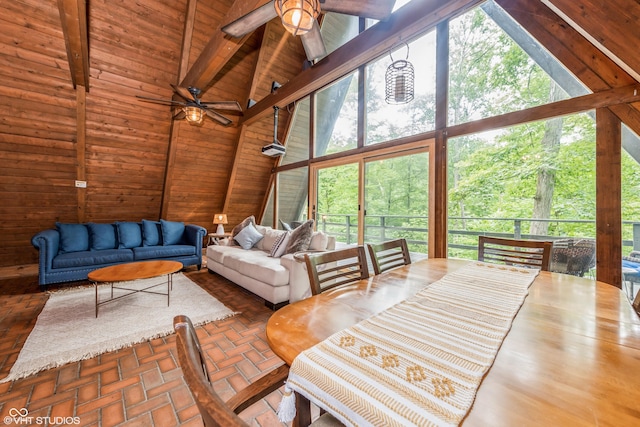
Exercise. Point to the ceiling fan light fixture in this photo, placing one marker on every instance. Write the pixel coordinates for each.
(194, 115)
(298, 16)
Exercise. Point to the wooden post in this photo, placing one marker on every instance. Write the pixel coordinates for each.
(438, 208)
(81, 164)
(608, 194)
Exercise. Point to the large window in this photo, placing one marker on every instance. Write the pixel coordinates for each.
(534, 180)
(336, 117)
(491, 74)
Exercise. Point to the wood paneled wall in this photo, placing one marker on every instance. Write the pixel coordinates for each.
(37, 127)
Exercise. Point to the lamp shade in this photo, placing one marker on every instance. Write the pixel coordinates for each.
(220, 219)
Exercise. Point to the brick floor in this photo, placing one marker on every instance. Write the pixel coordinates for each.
(141, 385)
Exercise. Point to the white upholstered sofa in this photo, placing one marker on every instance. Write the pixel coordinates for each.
(277, 280)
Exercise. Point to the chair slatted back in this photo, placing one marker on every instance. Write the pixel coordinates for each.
(328, 270)
(526, 253)
(388, 255)
(214, 411)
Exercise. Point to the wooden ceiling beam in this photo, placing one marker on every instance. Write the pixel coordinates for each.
(73, 17)
(220, 48)
(414, 18)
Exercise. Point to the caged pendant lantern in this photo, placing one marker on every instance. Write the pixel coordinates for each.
(298, 16)
(399, 81)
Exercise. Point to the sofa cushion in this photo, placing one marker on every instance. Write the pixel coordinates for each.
(73, 237)
(97, 258)
(279, 246)
(300, 238)
(258, 265)
(102, 236)
(218, 252)
(151, 232)
(129, 234)
(248, 236)
(155, 252)
(172, 232)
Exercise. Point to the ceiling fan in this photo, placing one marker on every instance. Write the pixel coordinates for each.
(299, 17)
(194, 109)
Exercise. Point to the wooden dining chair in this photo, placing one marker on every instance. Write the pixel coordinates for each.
(390, 254)
(216, 412)
(526, 253)
(328, 270)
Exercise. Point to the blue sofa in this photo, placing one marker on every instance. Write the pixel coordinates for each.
(71, 251)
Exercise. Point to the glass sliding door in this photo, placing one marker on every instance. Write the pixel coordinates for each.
(336, 206)
(397, 199)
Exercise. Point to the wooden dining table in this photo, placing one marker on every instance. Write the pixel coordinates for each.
(572, 356)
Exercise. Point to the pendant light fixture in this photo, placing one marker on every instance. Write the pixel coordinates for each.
(298, 16)
(399, 81)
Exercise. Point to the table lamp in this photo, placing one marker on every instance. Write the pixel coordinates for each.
(220, 219)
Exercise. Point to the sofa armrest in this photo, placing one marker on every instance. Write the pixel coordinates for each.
(194, 235)
(47, 242)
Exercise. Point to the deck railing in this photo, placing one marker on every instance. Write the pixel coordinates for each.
(464, 231)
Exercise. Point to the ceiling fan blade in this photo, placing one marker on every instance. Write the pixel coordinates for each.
(180, 115)
(160, 101)
(252, 20)
(375, 9)
(218, 117)
(183, 92)
(313, 43)
(223, 105)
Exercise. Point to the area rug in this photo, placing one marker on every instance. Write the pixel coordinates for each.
(67, 329)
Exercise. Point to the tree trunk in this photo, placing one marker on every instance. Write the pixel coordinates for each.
(543, 199)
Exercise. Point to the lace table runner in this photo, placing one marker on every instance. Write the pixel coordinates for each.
(420, 362)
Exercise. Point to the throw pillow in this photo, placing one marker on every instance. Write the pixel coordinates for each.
(270, 237)
(172, 232)
(319, 241)
(129, 234)
(239, 227)
(277, 250)
(73, 237)
(151, 232)
(102, 236)
(285, 225)
(248, 236)
(300, 238)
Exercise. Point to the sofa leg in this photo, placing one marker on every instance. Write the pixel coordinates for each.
(273, 306)
(199, 266)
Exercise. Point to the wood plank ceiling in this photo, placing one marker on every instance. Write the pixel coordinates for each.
(70, 71)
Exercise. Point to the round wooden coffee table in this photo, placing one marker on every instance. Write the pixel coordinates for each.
(115, 274)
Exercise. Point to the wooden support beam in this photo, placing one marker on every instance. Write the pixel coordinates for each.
(73, 16)
(608, 198)
(220, 48)
(438, 202)
(606, 98)
(411, 20)
(81, 142)
(187, 35)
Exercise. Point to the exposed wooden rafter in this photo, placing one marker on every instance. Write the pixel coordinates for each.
(73, 16)
(220, 48)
